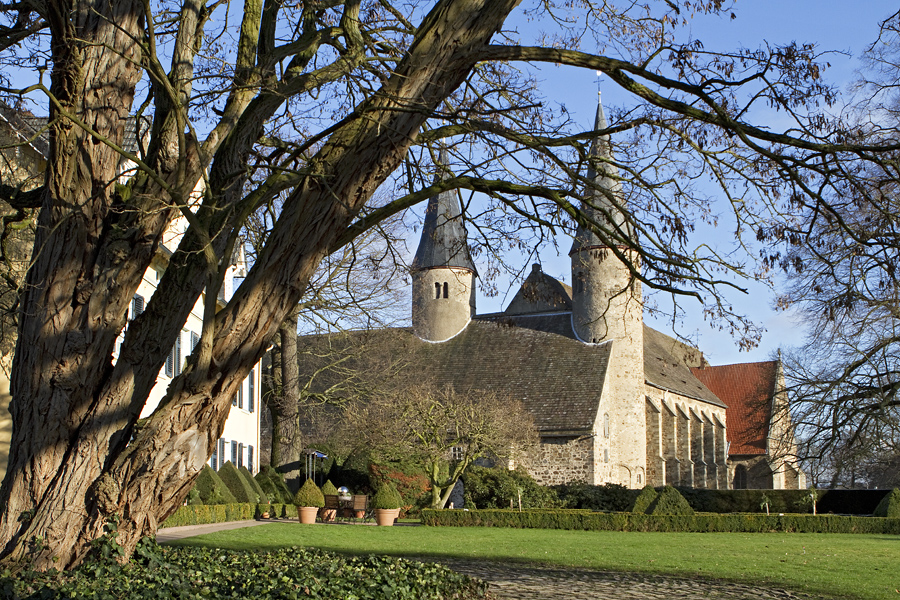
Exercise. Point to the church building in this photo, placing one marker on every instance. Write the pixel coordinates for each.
(614, 400)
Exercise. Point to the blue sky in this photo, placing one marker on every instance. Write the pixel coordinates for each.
(846, 27)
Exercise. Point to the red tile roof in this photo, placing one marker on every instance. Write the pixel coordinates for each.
(746, 389)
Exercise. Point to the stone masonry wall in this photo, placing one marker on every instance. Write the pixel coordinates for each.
(561, 460)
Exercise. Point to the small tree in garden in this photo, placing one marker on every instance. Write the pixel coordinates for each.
(444, 431)
(765, 503)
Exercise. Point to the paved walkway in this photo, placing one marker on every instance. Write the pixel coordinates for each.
(528, 582)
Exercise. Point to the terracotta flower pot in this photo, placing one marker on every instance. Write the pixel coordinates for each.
(360, 514)
(386, 516)
(307, 514)
(328, 515)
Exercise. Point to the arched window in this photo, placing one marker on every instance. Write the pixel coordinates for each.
(740, 477)
(606, 425)
(446, 290)
(437, 290)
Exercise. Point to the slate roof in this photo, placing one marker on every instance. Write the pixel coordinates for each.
(443, 242)
(558, 378)
(748, 390)
(666, 366)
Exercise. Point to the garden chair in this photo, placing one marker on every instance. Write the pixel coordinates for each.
(332, 503)
(361, 507)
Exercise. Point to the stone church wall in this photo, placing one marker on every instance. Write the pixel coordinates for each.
(558, 460)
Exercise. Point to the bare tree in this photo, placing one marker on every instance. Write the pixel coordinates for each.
(323, 103)
(444, 432)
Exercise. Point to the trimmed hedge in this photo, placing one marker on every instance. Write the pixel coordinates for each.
(670, 502)
(697, 523)
(277, 480)
(609, 496)
(203, 514)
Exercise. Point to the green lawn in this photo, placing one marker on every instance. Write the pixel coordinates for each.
(863, 566)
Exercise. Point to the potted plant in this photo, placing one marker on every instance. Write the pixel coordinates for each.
(386, 504)
(327, 513)
(262, 510)
(309, 499)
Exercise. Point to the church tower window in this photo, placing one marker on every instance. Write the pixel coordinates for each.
(437, 290)
(446, 290)
(606, 425)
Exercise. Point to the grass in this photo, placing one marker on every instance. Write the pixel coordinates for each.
(855, 566)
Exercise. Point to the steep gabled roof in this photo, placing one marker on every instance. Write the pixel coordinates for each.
(540, 293)
(747, 389)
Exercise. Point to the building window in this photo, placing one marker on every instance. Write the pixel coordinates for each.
(240, 462)
(606, 425)
(221, 452)
(214, 459)
(251, 390)
(437, 291)
(195, 339)
(639, 479)
(606, 455)
(446, 290)
(740, 477)
(234, 452)
(457, 453)
(173, 360)
(250, 458)
(238, 399)
(137, 306)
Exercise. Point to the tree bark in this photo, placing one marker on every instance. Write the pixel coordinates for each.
(287, 442)
(79, 457)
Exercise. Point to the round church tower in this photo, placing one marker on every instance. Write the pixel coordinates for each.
(443, 275)
(607, 307)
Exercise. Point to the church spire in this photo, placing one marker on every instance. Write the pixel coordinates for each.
(443, 242)
(603, 201)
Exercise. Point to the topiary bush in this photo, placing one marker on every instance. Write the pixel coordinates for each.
(496, 487)
(277, 479)
(669, 502)
(889, 505)
(254, 485)
(387, 497)
(211, 488)
(309, 494)
(644, 500)
(236, 484)
(328, 489)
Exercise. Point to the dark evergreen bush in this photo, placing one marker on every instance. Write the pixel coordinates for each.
(497, 487)
(669, 502)
(644, 500)
(608, 497)
(236, 484)
(211, 488)
(328, 489)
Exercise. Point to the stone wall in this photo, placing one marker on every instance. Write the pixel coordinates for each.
(558, 460)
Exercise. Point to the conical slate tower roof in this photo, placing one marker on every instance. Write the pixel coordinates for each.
(443, 242)
(601, 209)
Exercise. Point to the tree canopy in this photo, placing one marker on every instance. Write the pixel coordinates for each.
(316, 105)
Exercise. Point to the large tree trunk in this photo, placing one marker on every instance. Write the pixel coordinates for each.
(287, 442)
(79, 457)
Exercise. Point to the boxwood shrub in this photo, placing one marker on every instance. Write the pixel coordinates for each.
(186, 573)
(236, 483)
(211, 488)
(697, 523)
